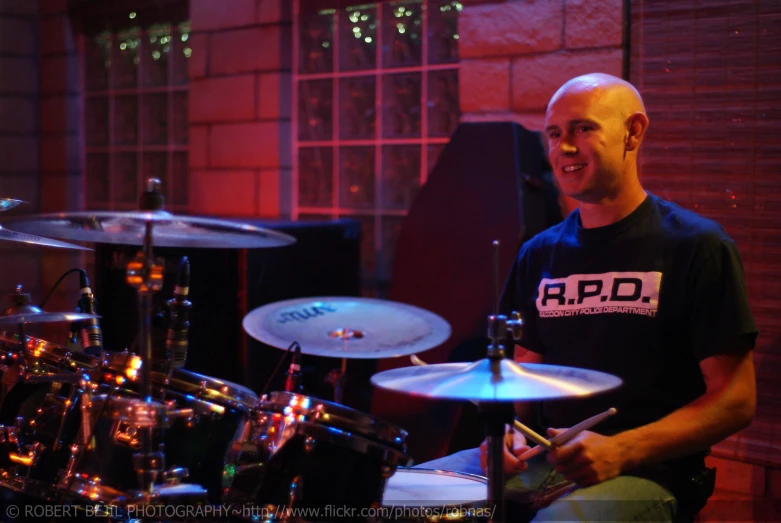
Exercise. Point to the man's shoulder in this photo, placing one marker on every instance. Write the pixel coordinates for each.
(553, 235)
(684, 223)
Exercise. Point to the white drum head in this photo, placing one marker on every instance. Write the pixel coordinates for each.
(429, 488)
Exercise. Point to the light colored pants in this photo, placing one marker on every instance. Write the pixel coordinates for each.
(625, 498)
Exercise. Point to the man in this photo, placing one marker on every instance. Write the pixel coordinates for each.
(637, 287)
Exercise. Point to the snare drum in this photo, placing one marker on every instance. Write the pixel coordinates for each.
(300, 451)
(425, 495)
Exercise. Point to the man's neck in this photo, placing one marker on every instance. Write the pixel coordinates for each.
(611, 210)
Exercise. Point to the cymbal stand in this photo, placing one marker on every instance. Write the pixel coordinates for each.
(336, 379)
(496, 414)
(337, 376)
(146, 275)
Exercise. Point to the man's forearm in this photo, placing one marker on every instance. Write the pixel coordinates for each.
(709, 419)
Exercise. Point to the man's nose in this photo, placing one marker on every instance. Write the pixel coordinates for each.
(567, 147)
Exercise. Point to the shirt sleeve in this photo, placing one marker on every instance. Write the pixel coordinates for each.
(722, 322)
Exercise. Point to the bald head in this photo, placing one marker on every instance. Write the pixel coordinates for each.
(595, 124)
(606, 89)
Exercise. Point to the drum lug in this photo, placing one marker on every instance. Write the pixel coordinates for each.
(175, 475)
(29, 458)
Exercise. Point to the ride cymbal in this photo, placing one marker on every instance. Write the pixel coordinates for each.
(489, 380)
(347, 327)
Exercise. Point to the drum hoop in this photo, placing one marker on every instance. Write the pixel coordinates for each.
(351, 440)
(339, 416)
(53, 353)
(185, 381)
(439, 472)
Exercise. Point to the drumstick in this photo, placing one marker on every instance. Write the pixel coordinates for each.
(570, 433)
(542, 442)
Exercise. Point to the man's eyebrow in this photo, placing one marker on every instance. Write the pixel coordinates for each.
(573, 123)
(581, 121)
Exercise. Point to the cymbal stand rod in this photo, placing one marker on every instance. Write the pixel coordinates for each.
(336, 379)
(496, 277)
(145, 330)
(145, 319)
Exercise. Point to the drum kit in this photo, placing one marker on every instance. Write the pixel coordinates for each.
(84, 426)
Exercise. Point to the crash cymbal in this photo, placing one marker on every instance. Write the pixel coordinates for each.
(494, 381)
(128, 228)
(9, 203)
(6, 234)
(44, 317)
(346, 327)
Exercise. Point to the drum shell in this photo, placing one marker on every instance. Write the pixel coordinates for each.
(299, 451)
(197, 442)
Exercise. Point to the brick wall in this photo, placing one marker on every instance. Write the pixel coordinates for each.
(515, 54)
(60, 147)
(19, 162)
(239, 107)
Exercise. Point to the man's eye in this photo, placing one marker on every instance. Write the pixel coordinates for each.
(553, 135)
(584, 128)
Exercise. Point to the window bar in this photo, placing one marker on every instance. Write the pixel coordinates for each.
(143, 36)
(364, 72)
(82, 132)
(424, 134)
(112, 70)
(335, 134)
(378, 134)
(169, 157)
(294, 210)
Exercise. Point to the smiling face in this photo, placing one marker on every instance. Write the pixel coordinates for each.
(589, 128)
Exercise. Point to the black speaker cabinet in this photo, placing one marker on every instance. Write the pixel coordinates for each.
(226, 284)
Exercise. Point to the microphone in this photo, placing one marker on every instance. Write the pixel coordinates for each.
(293, 378)
(179, 317)
(90, 333)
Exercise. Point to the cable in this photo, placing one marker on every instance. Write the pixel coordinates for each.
(57, 283)
(273, 374)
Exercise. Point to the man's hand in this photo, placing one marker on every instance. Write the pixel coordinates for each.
(513, 447)
(587, 459)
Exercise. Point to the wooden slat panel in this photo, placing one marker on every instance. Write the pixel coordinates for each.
(709, 74)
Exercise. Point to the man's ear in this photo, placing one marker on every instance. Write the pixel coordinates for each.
(636, 125)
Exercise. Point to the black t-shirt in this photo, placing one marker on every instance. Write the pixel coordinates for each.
(645, 299)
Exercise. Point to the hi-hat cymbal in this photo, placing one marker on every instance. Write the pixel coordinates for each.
(6, 234)
(346, 327)
(129, 228)
(9, 203)
(494, 381)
